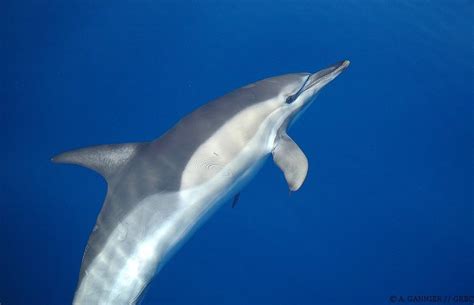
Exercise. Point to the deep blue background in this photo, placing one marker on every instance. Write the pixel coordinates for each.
(387, 207)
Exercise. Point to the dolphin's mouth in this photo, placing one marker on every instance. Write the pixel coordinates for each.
(323, 77)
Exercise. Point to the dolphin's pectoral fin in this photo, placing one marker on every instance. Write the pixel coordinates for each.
(104, 159)
(235, 200)
(291, 160)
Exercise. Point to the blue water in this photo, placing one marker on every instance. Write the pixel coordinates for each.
(387, 207)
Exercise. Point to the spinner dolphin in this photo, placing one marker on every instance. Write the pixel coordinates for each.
(159, 192)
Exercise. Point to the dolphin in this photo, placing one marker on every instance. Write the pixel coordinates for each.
(160, 192)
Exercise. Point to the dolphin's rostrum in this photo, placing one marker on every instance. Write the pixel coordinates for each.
(159, 192)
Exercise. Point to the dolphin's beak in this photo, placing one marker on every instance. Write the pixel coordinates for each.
(323, 77)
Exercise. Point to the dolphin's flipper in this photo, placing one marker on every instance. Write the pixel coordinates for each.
(236, 199)
(104, 159)
(291, 160)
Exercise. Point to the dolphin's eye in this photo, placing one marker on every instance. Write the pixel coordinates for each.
(293, 97)
(290, 99)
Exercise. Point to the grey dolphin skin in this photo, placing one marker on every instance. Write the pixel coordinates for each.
(159, 192)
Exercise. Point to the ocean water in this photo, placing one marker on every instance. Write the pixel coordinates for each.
(387, 207)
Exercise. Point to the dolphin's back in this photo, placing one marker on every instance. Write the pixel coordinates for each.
(161, 164)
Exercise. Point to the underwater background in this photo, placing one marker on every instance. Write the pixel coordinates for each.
(386, 209)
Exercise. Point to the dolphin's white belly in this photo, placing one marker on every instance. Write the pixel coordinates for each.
(126, 264)
(159, 224)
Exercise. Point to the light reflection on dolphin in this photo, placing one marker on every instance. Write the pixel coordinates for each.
(159, 192)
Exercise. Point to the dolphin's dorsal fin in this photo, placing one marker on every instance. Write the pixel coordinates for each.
(291, 160)
(104, 159)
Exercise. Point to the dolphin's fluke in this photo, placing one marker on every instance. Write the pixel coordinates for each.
(104, 159)
(291, 160)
